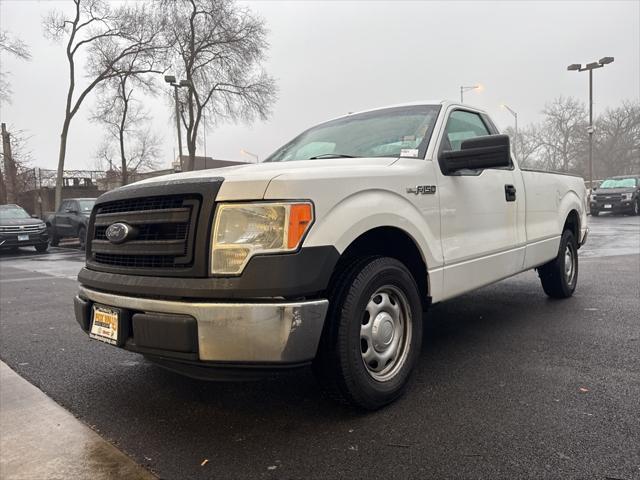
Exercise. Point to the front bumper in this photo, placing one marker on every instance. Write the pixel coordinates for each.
(10, 240)
(229, 333)
(612, 206)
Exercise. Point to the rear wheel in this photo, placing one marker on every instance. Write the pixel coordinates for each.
(373, 333)
(559, 277)
(82, 236)
(53, 238)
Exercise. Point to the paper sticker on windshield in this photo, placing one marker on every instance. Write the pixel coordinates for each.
(409, 152)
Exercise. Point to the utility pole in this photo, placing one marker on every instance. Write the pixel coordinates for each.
(9, 166)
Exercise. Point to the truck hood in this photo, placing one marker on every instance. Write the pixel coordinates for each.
(250, 181)
(613, 191)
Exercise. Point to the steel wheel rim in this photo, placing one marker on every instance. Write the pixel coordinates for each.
(569, 265)
(385, 333)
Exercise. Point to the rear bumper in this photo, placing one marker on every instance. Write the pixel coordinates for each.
(258, 333)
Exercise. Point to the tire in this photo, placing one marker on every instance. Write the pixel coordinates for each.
(595, 213)
(372, 335)
(558, 277)
(43, 247)
(82, 236)
(636, 207)
(54, 241)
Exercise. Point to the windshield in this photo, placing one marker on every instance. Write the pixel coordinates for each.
(619, 183)
(13, 213)
(391, 132)
(86, 205)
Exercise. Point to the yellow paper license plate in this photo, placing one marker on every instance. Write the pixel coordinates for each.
(104, 325)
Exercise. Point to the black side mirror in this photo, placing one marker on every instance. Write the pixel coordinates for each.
(490, 151)
(72, 211)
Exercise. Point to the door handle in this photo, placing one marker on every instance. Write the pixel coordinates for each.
(510, 193)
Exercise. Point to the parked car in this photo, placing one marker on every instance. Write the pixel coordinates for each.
(19, 229)
(617, 195)
(328, 252)
(70, 220)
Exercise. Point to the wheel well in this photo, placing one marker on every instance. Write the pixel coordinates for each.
(389, 242)
(573, 224)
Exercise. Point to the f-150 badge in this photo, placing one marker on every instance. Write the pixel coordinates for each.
(422, 189)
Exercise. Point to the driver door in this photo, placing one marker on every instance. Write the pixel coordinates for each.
(478, 214)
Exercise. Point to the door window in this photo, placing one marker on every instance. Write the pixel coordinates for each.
(65, 205)
(460, 127)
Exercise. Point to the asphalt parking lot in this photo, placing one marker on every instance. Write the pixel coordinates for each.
(510, 384)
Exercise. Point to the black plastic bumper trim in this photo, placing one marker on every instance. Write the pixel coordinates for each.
(300, 274)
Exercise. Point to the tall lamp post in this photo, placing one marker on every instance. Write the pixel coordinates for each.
(466, 89)
(515, 137)
(590, 67)
(171, 80)
(245, 152)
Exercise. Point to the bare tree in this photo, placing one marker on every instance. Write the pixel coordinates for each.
(127, 125)
(561, 135)
(113, 40)
(526, 145)
(17, 48)
(15, 157)
(218, 48)
(617, 140)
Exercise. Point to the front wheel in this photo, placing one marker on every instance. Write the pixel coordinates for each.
(41, 248)
(636, 207)
(559, 277)
(373, 333)
(595, 213)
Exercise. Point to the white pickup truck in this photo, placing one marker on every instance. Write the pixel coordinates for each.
(328, 253)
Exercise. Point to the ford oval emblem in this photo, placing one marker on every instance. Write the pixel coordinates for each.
(117, 232)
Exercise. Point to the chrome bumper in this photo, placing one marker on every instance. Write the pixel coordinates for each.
(273, 332)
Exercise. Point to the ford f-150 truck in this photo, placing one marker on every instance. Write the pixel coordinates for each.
(327, 253)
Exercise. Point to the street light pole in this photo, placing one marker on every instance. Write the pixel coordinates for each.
(171, 80)
(590, 67)
(465, 89)
(175, 95)
(515, 137)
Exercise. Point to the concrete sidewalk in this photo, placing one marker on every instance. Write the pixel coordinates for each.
(40, 439)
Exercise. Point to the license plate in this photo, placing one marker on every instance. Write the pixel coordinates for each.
(23, 238)
(104, 325)
(608, 205)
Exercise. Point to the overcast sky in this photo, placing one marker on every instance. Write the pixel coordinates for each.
(331, 57)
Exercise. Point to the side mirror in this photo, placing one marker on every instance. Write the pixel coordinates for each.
(72, 211)
(490, 151)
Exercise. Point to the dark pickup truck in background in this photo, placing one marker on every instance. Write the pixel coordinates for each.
(70, 220)
(617, 195)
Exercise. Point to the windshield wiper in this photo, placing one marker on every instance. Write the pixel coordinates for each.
(332, 155)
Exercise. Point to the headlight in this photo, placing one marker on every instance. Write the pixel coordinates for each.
(592, 197)
(243, 230)
(627, 196)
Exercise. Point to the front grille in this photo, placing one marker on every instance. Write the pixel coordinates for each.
(608, 198)
(21, 228)
(162, 232)
(136, 261)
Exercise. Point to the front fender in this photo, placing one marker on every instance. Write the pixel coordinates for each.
(365, 210)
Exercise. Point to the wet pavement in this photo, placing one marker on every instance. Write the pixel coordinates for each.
(510, 384)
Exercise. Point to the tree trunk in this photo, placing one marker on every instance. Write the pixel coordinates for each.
(61, 156)
(9, 167)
